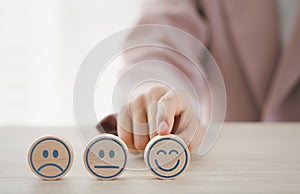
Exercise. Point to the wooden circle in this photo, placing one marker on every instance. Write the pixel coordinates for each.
(166, 156)
(105, 157)
(50, 157)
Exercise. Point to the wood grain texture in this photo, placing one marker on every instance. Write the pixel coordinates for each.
(105, 157)
(50, 157)
(248, 158)
(166, 156)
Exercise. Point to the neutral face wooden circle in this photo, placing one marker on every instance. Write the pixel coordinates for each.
(105, 157)
(50, 157)
(166, 156)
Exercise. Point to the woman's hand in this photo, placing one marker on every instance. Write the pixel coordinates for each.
(159, 111)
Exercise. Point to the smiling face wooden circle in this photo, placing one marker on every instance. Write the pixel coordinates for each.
(50, 157)
(105, 157)
(166, 156)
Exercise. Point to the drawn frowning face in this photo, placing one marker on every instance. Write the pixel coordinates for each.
(166, 156)
(50, 157)
(106, 157)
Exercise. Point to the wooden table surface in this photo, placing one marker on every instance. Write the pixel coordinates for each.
(248, 158)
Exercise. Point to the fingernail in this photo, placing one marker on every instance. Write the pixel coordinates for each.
(162, 126)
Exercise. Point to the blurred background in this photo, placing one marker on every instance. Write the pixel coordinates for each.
(42, 44)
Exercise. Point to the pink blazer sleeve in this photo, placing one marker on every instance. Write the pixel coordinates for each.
(181, 14)
(184, 15)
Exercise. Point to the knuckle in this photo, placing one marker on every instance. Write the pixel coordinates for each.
(156, 89)
(156, 92)
(171, 98)
(168, 96)
(138, 102)
(137, 109)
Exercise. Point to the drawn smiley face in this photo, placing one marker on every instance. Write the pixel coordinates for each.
(166, 156)
(50, 157)
(105, 157)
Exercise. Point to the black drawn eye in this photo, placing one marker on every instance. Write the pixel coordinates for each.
(173, 151)
(55, 153)
(45, 153)
(161, 151)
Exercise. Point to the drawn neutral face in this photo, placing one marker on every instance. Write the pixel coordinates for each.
(50, 157)
(167, 156)
(106, 157)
